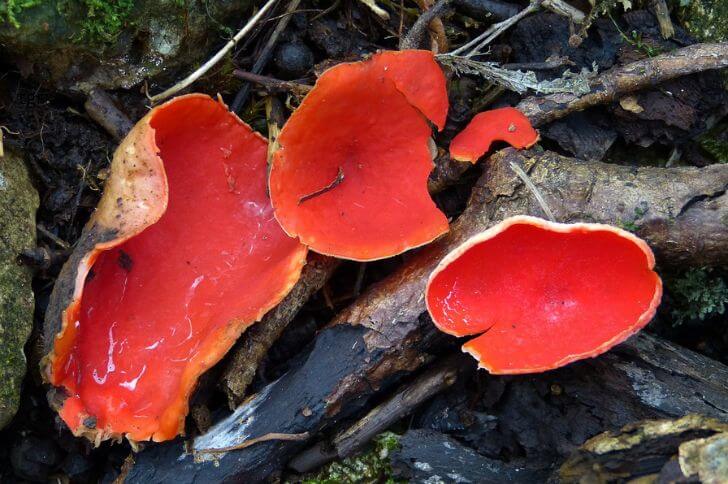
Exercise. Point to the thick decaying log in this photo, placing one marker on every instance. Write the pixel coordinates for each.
(681, 212)
(425, 456)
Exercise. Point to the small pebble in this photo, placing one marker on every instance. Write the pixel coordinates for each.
(293, 60)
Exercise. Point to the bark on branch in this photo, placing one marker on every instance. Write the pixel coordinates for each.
(619, 81)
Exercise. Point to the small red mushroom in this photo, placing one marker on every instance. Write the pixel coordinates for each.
(503, 124)
(544, 294)
(350, 175)
(182, 254)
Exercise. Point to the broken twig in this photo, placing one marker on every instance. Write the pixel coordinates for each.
(414, 37)
(272, 83)
(339, 178)
(404, 401)
(102, 109)
(263, 57)
(474, 46)
(536, 194)
(249, 442)
(216, 58)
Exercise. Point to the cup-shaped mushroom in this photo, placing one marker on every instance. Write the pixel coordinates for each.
(502, 124)
(349, 177)
(182, 254)
(539, 295)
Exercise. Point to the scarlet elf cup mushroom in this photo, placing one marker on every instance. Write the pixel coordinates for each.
(181, 255)
(350, 176)
(502, 124)
(541, 294)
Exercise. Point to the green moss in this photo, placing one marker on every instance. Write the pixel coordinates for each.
(10, 9)
(698, 294)
(372, 466)
(715, 142)
(631, 225)
(104, 20)
(705, 19)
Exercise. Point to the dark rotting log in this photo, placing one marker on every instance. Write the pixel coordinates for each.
(347, 443)
(386, 333)
(427, 456)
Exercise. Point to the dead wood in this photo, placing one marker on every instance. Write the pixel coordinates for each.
(606, 88)
(265, 54)
(429, 19)
(273, 84)
(654, 451)
(253, 345)
(386, 333)
(380, 418)
(102, 109)
(427, 456)
(613, 84)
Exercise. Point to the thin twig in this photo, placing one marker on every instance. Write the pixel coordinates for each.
(415, 34)
(527, 180)
(272, 83)
(263, 57)
(564, 9)
(475, 45)
(257, 440)
(57, 240)
(216, 58)
(339, 178)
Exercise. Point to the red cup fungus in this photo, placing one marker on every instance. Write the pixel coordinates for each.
(350, 175)
(502, 124)
(542, 294)
(182, 254)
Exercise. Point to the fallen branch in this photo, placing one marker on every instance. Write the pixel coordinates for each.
(273, 84)
(380, 418)
(102, 109)
(202, 70)
(414, 37)
(647, 450)
(605, 88)
(611, 85)
(386, 333)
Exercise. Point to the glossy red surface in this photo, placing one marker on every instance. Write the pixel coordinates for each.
(544, 294)
(502, 124)
(164, 306)
(356, 125)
